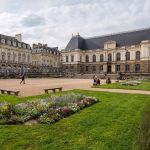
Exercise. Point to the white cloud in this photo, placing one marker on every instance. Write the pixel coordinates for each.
(53, 22)
(31, 20)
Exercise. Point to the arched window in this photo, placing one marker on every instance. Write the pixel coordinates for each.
(80, 58)
(109, 57)
(101, 57)
(94, 58)
(138, 55)
(87, 58)
(127, 55)
(3, 56)
(118, 57)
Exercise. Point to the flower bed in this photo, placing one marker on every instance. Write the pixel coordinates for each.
(131, 83)
(47, 110)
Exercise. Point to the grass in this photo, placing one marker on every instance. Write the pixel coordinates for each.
(143, 139)
(15, 99)
(115, 123)
(145, 85)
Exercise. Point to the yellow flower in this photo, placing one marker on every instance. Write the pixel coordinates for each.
(5, 108)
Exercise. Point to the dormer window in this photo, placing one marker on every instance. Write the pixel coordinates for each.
(110, 45)
(109, 57)
(24, 46)
(19, 44)
(3, 41)
(118, 57)
(9, 42)
(28, 46)
(14, 44)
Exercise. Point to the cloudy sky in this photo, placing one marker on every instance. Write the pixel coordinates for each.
(54, 21)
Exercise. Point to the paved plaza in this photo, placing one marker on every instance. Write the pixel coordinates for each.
(35, 86)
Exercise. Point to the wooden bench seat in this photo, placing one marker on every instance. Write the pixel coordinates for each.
(9, 92)
(53, 89)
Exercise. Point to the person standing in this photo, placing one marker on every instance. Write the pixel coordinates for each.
(98, 81)
(22, 79)
(108, 81)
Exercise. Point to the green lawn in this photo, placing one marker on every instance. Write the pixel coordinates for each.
(118, 122)
(145, 85)
(15, 99)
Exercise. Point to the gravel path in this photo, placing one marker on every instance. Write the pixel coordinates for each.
(35, 86)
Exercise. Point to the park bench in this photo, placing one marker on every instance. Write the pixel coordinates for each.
(53, 89)
(9, 92)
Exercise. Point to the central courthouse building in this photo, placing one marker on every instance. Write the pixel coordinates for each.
(127, 53)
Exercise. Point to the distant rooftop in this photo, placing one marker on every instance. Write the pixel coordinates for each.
(122, 39)
(14, 41)
(40, 47)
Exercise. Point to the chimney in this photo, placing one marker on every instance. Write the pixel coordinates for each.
(18, 37)
(34, 45)
(45, 45)
(40, 45)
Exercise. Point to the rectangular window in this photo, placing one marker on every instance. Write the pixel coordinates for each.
(87, 68)
(72, 58)
(117, 68)
(72, 67)
(101, 68)
(137, 68)
(94, 68)
(127, 68)
(67, 58)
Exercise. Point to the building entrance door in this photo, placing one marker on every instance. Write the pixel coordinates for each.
(109, 69)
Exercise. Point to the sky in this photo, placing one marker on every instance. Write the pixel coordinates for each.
(54, 21)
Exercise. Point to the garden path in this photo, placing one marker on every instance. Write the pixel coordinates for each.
(35, 86)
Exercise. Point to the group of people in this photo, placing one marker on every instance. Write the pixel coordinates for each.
(96, 81)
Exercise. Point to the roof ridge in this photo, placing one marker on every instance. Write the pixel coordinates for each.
(7, 36)
(118, 33)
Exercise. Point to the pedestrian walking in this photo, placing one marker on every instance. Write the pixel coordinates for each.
(22, 79)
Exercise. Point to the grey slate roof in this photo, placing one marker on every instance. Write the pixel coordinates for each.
(122, 39)
(12, 39)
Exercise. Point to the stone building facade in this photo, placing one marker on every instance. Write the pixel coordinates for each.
(125, 53)
(15, 55)
(45, 59)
